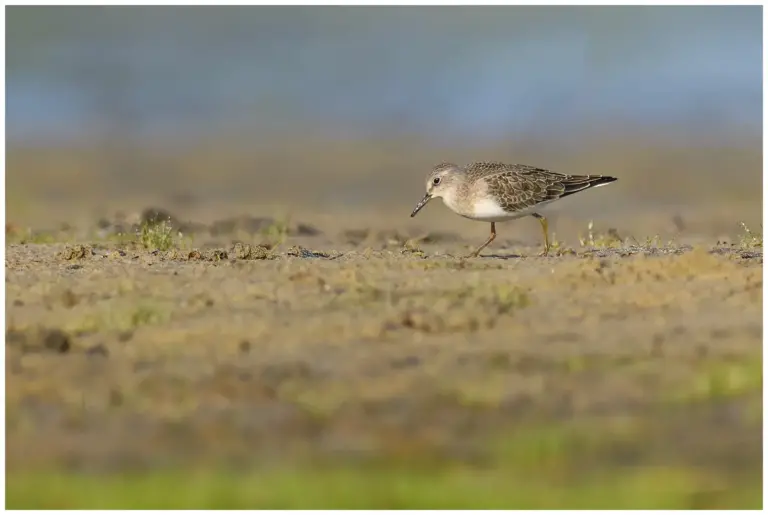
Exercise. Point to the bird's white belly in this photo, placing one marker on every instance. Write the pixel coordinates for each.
(488, 210)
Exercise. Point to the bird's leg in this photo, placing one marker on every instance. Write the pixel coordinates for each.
(490, 239)
(545, 229)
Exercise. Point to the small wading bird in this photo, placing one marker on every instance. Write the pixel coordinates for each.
(496, 192)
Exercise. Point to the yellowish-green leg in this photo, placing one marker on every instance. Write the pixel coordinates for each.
(488, 241)
(545, 229)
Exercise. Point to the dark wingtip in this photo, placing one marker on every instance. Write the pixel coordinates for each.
(602, 179)
(577, 183)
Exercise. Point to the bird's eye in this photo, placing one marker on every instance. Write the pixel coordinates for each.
(436, 181)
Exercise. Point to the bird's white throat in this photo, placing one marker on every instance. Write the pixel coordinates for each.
(450, 200)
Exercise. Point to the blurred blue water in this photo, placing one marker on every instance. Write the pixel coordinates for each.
(440, 72)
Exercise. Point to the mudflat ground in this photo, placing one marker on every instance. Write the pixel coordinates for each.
(359, 362)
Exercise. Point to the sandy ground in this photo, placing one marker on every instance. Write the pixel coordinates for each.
(355, 337)
(128, 358)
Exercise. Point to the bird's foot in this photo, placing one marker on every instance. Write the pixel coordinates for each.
(471, 255)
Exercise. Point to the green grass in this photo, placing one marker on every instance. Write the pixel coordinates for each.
(749, 239)
(391, 488)
(721, 380)
(156, 236)
(277, 232)
(599, 240)
(118, 317)
(568, 465)
(561, 466)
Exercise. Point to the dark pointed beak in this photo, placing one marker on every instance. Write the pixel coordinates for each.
(422, 203)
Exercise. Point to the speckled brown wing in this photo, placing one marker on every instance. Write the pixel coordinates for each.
(519, 187)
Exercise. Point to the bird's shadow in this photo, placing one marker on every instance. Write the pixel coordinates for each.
(488, 256)
(500, 256)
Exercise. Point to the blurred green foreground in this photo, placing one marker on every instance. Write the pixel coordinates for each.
(541, 469)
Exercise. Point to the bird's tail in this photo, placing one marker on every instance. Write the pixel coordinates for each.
(576, 183)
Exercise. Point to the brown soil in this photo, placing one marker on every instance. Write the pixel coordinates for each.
(302, 316)
(120, 358)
